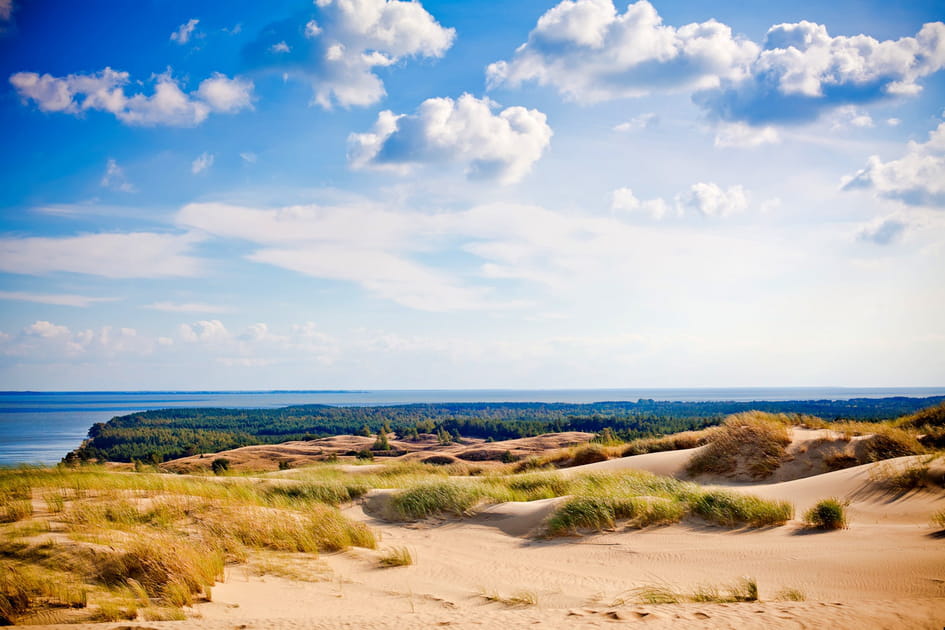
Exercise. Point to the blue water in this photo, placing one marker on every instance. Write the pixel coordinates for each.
(41, 427)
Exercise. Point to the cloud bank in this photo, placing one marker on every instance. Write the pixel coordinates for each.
(105, 91)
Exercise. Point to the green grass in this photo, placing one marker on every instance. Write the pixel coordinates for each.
(827, 514)
(435, 497)
(745, 589)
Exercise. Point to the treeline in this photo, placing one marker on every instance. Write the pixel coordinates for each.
(165, 434)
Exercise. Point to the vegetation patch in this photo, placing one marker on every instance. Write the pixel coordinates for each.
(753, 440)
(396, 557)
(827, 514)
(433, 498)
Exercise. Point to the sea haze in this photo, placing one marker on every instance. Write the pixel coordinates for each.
(41, 427)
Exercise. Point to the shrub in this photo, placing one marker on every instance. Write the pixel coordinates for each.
(827, 514)
(220, 465)
(365, 454)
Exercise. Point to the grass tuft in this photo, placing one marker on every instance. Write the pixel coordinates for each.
(435, 497)
(396, 557)
(827, 514)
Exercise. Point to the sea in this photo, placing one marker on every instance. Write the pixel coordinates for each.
(41, 427)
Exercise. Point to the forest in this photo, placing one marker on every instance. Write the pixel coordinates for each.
(164, 434)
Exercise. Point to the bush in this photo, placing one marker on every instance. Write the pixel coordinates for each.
(220, 465)
(827, 514)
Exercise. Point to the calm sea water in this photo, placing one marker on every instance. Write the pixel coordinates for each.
(41, 427)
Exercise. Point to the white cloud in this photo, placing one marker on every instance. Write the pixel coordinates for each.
(184, 31)
(59, 299)
(105, 91)
(46, 341)
(114, 178)
(803, 71)
(339, 53)
(643, 121)
(501, 146)
(203, 162)
(705, 199)
(712, 200)
(128, 255)
(249, 157)
(893, 122)
(882, 230)
(188, 307)
(589, 52)
(623, 199)
(204, 331)
(740, 135)
(916, 179)
(849, 115)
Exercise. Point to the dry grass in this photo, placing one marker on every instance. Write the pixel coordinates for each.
(674, 442)
(753, 440)
(938, 519)
(517, 599)
(152, 543)
(396, 557)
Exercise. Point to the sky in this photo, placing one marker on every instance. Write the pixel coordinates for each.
(468, 194)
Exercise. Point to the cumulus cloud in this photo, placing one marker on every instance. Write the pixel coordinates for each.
(59, 299)
(711, 200)
(803, 71)
(105, 91)
(115, 179)
(128, 255)
(339, 52)
(501, 146)
(204, 331)
(916, 179)
(44, 340)
(184, 31)
(203, 162)
(624, 200)
(589, 52)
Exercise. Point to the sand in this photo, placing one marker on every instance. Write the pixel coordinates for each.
(887, 570)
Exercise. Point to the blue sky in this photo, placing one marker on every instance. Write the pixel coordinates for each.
(388, 194)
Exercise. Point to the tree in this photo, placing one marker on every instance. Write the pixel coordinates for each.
(381, 443)
(220, 465)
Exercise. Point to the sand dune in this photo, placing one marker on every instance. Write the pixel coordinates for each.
(887, 570)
